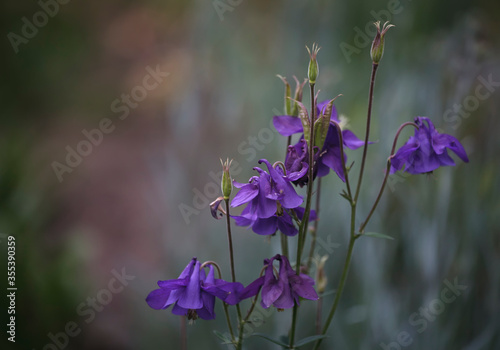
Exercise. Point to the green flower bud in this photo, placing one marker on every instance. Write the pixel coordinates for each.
(313, 70)
(227, 182)
(377, 50)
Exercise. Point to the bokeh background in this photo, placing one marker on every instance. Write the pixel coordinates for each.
(138, 201)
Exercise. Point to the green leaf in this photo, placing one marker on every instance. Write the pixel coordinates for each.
(377, 235)
(308, 340)
(222, 337)
(280, 343)
(345, 195)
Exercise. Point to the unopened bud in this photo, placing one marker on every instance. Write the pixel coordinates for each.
(377, 50)
(313, 70)
(227, 182)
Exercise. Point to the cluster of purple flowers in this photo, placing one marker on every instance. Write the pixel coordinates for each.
(327, 157)
(193, 293)
(268, 197)
(273, 204)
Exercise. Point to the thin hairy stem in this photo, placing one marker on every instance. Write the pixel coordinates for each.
(315, 228)
(345, 270)
(387, 171)
(231, 257)
(305, 219)
(367, 134)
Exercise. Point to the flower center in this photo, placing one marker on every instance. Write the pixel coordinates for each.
(192, 315)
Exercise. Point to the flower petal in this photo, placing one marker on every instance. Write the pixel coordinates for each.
(272, 288)
(157, 299)
(303, 286)
(266, 226)
(245, 194)
(287, 125)
(207, 311)
(444, 140)
(286, 226)
(179, 311)
(252, 289)
(351, 141)
(298, 174)
(191, 296)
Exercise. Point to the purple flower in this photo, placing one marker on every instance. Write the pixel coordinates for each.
(268, 226)
(326, 158)
(282, 290)
(193, 294)
(426, 150)
(264, 192)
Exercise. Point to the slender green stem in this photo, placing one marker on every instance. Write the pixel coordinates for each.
(342, 159)
(367, 134)
(284, 244)
(305, 220)
(284, 238)
(245, 320)
(228, 320)
(387, 170)
(319, 308)
(340, 288)
(295, 217)
(315, 228)
(231, 254)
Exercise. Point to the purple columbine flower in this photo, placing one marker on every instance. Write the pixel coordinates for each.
(266, 194)
(282, 290)
(326, 158)
(426, 150)
(193, 293)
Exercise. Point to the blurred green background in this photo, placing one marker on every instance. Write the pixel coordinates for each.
(137, 202)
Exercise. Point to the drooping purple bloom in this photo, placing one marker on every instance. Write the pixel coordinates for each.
(426, 150)
(193, 293)
(265, 195)
(326, 158)
(281, 291)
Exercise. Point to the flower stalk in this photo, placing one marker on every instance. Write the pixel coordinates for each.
(386, 176)
(367, 134)
(231, 253)
(305, 220)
